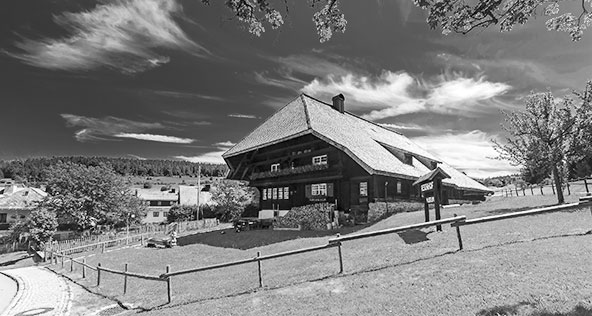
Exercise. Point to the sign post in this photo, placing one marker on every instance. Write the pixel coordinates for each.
(431, 189)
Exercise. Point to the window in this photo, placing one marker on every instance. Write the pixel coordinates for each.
(264, 194)
(319, 189)
(399, 187)
(280, 194)
(155, 214)
(363, 188)
(286, 193)
(274, 194)
(3, 217)
(165, 214)
(275, 167)
(319, 160)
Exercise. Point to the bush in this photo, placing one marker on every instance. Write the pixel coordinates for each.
(378, 210)
(41, 226)
(180, 213)
(309, 217)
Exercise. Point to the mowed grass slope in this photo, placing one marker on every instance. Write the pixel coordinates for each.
(524, 266)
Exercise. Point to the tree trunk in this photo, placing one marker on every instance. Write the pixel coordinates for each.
(557, 181)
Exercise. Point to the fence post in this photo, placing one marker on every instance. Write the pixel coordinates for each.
(259, 268)
(340, 255)
(523, 191)
(586, 185)
(553, 187)
(71, 264)
(98, 274)
(460, 245)
(568, 189)
(62, 261)
(83, 268)
(541, 187)
(168, 281)
(103, 247)
(125, 280)
(531, 191)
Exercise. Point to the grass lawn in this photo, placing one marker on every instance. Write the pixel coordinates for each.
(536, 265)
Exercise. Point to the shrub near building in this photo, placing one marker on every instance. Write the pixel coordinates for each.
(308, 217)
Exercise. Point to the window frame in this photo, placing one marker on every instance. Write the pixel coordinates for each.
(318, 189)
(363, 188)
(275, 167)
(320, 160)
(155, 214)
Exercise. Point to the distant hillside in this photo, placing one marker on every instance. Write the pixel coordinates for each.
(32, 169)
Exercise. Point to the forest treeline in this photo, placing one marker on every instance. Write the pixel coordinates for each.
(33, 169)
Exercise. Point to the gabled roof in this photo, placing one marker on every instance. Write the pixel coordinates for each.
(367, 143)
(23, 198)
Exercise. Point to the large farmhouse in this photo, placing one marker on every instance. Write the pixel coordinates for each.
(310, 151)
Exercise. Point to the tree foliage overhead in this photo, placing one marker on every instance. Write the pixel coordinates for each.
(459, 16)
(32, 169)
(90, 196)
(41, 225)
(549, 135)
(462, 16)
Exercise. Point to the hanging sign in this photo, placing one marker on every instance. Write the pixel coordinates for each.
(430, 199)
(427, 186)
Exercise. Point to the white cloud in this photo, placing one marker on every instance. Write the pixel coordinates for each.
(408, 127)
(226, 144)
(214, 157)
(98, 128)
(471, 152)
(393, 94)
(120, 34)
(238, 115)
(156, 138)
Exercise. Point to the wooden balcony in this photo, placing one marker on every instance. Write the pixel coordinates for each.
(291, 171)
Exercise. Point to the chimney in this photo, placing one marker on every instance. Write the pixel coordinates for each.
(338, 103)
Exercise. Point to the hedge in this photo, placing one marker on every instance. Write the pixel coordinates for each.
(308, 217)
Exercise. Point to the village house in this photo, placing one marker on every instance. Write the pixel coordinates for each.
(310, 151)
(160, 202)
(17, 202)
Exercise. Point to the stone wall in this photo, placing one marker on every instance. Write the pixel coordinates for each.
(379, 210)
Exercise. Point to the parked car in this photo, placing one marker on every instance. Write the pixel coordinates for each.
(167, 242)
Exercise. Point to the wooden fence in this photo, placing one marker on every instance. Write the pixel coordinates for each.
(336, 242)
(105, 241)
(539, 189)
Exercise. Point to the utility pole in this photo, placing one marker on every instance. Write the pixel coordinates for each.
(199, 190)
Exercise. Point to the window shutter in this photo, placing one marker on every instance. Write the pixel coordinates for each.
(307, 191)
(330, 189)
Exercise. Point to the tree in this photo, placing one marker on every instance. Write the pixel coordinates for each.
(549, 135)
(458, 16)
(89, 196)
(41, 226)
(231, 198)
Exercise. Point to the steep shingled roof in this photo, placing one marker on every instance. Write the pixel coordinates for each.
(367, 143)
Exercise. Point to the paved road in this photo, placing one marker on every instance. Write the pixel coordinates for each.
(40, 292)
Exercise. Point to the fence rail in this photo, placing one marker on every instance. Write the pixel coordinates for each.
(551, 209)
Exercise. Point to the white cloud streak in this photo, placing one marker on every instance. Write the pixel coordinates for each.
(238, 115)
(393, 94)
(471, 152)
(156, 138)
(214, 157)
(98, 128)
(119, 34)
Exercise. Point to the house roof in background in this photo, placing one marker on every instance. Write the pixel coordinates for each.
(367, 143)
(22, 198)
(156, 195)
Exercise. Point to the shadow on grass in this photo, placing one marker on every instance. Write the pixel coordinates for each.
(248, 239)
(413, 236)
(511, 310)
(514, 210)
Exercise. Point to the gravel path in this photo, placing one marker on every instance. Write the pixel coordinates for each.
(40, 292)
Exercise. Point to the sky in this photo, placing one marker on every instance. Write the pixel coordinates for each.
(176, 79)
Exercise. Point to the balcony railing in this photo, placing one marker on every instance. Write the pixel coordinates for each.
(288, 171)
